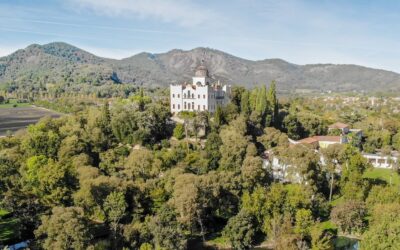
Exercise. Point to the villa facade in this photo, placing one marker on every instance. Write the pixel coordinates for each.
(203, 94)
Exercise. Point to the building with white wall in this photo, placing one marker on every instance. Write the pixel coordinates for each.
(381, 161)
(203, 94)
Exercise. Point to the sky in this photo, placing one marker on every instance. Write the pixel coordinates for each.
(360, 32)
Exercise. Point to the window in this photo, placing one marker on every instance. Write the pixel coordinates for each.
(184, 105)
(184, 95)
(204, 107)
(198, 96)
(173, 95)
(179, 96)
(188, 93)
(193, 105)
(204, 96)
(173, 106)
(198, 107)
(179, 106)
(192, 95)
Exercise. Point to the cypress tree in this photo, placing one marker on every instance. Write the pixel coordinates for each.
(273, 103)
(218, 117)
(245, 103)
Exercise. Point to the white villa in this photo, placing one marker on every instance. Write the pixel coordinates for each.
(202, 95)
(286, 173)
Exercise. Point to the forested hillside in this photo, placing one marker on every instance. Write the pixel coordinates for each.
(65, 67)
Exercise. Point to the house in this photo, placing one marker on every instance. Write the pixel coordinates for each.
(203, 94)
(321, 141)
(345, 129)
(382, 161)
(339, 126)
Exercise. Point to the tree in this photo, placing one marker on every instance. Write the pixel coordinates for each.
(189, 200)
(179, 131)
(115, 206)
(349, 216)
(304, 221)
(332, 157)
(212, 146)
(66, 228)
(140, 164)
(253, 174)
(305, 166)
(384, 228)
(42, 138)
(241, 231)
(273, 103)
(167, 232)
(396, 141)
(321, 238)
(236, 95)
(234, 143)
(351, 181)
(273, 138)
(293, 127)
(382, 195)
(245, 108)
(51, 181)
(219, 118)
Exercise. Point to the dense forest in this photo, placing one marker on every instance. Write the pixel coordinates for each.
(119, 173)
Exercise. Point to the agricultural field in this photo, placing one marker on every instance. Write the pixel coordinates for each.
(16, 118)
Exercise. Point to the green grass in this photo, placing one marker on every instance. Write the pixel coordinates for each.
(3, 212)
(219, 241)
(9, 229)
(382, 174)
(14, 102)
(328, 225)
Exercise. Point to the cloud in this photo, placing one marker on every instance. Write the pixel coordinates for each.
(183, 12)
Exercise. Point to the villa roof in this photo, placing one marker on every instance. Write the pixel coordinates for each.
(314, 139)
(338, 125)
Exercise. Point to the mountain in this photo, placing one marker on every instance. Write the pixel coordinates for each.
(61, 63)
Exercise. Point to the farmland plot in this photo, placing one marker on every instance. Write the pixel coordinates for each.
(13, 119)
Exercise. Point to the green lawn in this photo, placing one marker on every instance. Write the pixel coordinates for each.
(9, 227)
(382, 174)
(14, 102)
(3, 212)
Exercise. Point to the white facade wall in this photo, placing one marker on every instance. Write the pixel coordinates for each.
(199, 96)
(379, 161)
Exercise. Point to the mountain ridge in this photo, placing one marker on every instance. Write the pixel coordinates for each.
(60, 63)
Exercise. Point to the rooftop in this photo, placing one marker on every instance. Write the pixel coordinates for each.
(325, 138)
(338, 125)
